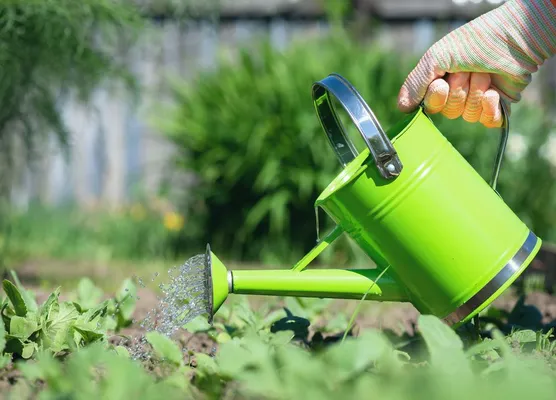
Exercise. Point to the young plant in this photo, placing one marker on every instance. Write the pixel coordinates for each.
(55, 326)
(120, 308)
(58, 326)
(92, 373)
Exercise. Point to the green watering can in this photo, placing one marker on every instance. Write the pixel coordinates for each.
(440, 236)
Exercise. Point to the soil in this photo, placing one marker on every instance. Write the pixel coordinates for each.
(394, 318)
(397, 319)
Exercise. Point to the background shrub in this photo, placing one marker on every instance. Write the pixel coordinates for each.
(249, 133)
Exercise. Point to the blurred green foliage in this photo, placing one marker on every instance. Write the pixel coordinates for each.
(248, 131)
(49, 48)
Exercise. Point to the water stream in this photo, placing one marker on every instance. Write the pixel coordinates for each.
(184, 297)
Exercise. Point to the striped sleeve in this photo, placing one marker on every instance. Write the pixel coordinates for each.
(529, 27)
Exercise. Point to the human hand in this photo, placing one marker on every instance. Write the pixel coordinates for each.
(490, 59)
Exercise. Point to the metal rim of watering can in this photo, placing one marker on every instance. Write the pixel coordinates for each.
(506, 273)
(384, 154)
(208, 281)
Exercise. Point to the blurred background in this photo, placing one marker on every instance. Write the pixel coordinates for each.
(133, 132)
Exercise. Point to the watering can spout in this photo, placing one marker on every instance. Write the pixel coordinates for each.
(352, 284)
(217, 282)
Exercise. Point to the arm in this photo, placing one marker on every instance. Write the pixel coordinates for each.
(489, 59)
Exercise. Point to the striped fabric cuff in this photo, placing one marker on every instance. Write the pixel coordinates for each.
(538, 20)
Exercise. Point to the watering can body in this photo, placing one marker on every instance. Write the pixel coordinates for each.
(446, 235)
(441, 236)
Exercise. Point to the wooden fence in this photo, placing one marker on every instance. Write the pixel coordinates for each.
(116, 153)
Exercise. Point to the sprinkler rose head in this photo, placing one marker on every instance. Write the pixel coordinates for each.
(216, 281)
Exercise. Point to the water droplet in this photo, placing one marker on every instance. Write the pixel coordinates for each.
(184, 297)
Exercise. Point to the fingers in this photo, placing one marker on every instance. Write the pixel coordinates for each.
(466, 95)
(479, 83)
(415, 86)
(436, 96)
(459, 88)
(491, 116)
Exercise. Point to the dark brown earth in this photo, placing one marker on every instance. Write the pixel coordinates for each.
(397, 319)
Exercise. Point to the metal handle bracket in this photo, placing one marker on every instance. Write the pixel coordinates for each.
(383, 152)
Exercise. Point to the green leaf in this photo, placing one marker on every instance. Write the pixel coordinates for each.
(222, 337)
(444, 345)
(14, 295)
(100, 310)
(56, 333)
(88, 294)
(127, 298)
(206, 364)
(4, 360)
(176, 379)
(232, 358)
(165, 348)
(45, 368)
(354, 356)
(50, 306)
(198, 324)
(281, 338)
(28, 350)
(523, 336)
(438, 336)
(78, 307)
(27, 296)
(2, 336)
(47, 305)
(486, 347)
(22, 328)
(122, 351)
(93, 322)
(89, 336)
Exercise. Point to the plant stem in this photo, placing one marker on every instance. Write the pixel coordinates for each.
(356, 311)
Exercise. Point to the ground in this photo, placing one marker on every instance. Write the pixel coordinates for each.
(398, 318)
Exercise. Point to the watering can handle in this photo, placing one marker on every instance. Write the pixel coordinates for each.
(382, 150)
(384, 154)
(501, 146)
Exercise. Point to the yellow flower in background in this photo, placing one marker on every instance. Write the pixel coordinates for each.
(138, 212)
(173, 221)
